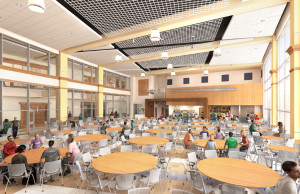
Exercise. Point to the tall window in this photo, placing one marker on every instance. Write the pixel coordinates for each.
(267, 88)
(283, 85)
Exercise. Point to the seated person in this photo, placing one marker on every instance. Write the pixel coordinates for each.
(188, 139)
(211, 144)
(107, 124)
(132, 125)
(230, 142)
(36, 142)
(100, 126)
(6, 126)
(219, 134)
(80, 116)
(20, 158)
(245, 142)
(125, 127)
(103, 128)
(204, 131)
(256, 118)
(252, 127)
(288, 183)
(10, 147)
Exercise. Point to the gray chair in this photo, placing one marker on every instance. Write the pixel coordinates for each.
(51, 168)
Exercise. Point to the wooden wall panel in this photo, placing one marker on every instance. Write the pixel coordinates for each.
(143, 86)
(243, 94)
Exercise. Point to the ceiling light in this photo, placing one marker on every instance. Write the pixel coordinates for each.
(173, 73)
(217, 52)
(155, 35)
(118, 58)
(37, 6)
(170, 66)
(19, 5)
(143, 74)
(164, 55)
(205, 72)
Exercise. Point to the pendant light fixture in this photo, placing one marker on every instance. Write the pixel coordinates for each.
(170, 66)
(205, 72)
(37, 6)
(164, 55)
(173, 73)
(118, 58)
(155, 35)
(143, 74)
(217, 52)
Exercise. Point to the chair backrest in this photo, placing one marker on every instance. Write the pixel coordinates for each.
(204, 136)
(53, 129)
(142, 190)
(255, 134)
(86, 157)
(290, 143)
(154, 148)
(81, 172)
(211, 154)
(132, 136)
(168, 146)
(58, 143)
(52, 167)
(123, 138)
(277, 142)
(114, 133)
(81, 133)
(24, 137)
(16, 170)
(103, 142)
(104, 151)
(285, 136)
(145, 134)
(234, 154)
(287, 156)
(192, 157)
(126, 132)
(154, 176)
(147, 149)
(59, 135)
(124, 181)
(155, 127)
(179, 191)
(126, 148)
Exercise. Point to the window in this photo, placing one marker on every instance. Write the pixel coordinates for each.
(169, 82)
(247, 76)
(186, 80)
(115, 80)
(225, 78)
(204, 79)
(267, 110)
(261, 73)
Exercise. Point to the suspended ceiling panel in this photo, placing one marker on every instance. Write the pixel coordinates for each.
(56, 28)
(261, 22)
(240, 55)
(129, 69)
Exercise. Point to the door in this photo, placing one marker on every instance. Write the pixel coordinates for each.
(155, 112)
(38, 114)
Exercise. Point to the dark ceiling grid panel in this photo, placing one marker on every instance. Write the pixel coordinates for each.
(116, 17)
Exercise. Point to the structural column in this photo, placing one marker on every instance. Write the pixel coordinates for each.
(294, 52)
(273, 72)
(100, 92)
(63, 87)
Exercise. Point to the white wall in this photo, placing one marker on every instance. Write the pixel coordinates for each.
(141, 99)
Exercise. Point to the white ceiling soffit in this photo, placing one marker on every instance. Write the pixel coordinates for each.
(56, 28)
(240, 55)
(261, 22)
(129, 69)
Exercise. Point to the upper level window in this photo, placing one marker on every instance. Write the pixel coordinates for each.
(225, 78)
(204, 79)
(247, 76)
(186, 80)
(169, 82)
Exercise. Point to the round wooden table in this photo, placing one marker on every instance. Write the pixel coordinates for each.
(272, 138)
(61, 122)
(211, 132)
(239, 127)
(125, 163)
(233, 171)
(92, 137)
(160, 131)
(114, 129)
(17, 141)
(297, 141)
(148, 140)
(63, 131)
(198, 122)
(283, 148)
(86, 126)
(34, 155)
(165, 125)
(220, 143)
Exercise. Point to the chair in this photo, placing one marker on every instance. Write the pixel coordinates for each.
(124, 182)
(132, 136)
(192, 159)
(81, 173)
(179, 191)
(145, 134)
(290, 143)
(93, 180)
(210, 154)
(86, 158)
(104, 151)
(24, 137)
(286, 156)
(277, 142)
(53, 130)
(81, 133)
(84, 145)
(142, 190)
(147, 149)
(123, 139)
(255, 134)
(51, 168)
(126, 148)
(154, 148)
(59, 135)
(72, 165)
(17, 171)
(58, 143)
(103, 143)
(234, 154)
(198, 183)
(153, 178)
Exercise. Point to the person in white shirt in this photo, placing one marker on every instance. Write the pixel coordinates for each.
(219, 134)
(287, 184)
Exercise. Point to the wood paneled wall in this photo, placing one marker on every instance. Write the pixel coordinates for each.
(143, 86)
(243, 94)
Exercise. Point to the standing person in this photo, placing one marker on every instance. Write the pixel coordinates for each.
(69, 115)
(51, 154)
(10, 147)
(15, 126)
(245, 141)
(103, 128)
(288, 183)
(125, 127)
(107, 124)
(256, 118)
(231, 142)
(161, 117)
(80, 117)
(211, 144)
(204, 131)
(280, 128)
(248, 117)
(116, 114)
(36, 143)
(219, 134)
(219, 115)
(179, 118)
(111, 116)
(6, 126)
(187, 116)
(73, 150)
(188, 139)
(252, 127)
(132, 125)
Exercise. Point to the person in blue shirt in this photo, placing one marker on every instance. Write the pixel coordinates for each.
(107, 124)
(132, 125)
(204, 131)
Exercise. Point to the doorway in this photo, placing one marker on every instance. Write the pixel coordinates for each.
(38, 114)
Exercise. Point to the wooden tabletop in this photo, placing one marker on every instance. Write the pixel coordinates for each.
(233, 171)
(160, 131)
(266, 131)
(220, 143)
(198, 122)
(114, 129)
(238, 127)
(63, 131)
(263, 127)
(230, 123)
(194, 126)
(34, 155)
(272, 138)
(17, 141)
(284, 148)
(125, 163)
(86, 126)
(199, 131)
(170, 121)
(61, 122)
(92, 137)
(165, 125)
(297, 141)
(148, 140)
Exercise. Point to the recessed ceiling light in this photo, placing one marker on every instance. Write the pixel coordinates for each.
(173, 73)
(170, 66)
(143, 74)
(155, 35)
(19, 5)
(118, 58)
(164, 55)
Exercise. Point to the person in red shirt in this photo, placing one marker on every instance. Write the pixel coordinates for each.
(10, 147)
(256, 118)
(161, 117)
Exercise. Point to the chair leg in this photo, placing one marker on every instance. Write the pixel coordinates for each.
(6, 183)
(161, 187)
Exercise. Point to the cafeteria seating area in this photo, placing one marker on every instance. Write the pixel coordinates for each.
(147, 97)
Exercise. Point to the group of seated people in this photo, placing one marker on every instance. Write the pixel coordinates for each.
(104, 125)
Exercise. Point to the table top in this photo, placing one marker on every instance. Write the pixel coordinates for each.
(194, 126)
(165, 125)
(17, 141)
(63, 131)
(92, 137)
(238, 127)
(263, 127)
(266, 131)
(125, 163)
(283, 148)
(86, 126)
(199, 122)
(272, 137)
(114, 129)
(148, 140)
(34, 155)
(170, 121)
(297, 141)
(230, 123)
(220, 143)
(199, 131)
(141, 121)
(238, 172)
(61, 122)
(160, 130)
